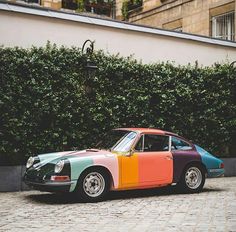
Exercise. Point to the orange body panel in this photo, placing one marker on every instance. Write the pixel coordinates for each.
(128, 171)
(145, 169)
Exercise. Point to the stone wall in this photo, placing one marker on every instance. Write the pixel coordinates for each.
(11, 178)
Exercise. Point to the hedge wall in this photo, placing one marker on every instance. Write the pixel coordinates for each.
(48, 102)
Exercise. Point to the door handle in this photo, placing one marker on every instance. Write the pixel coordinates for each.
(169, 157)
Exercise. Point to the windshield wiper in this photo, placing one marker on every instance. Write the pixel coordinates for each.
(92, 149)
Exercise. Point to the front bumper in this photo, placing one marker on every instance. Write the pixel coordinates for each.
(216, 172)
(50, 186)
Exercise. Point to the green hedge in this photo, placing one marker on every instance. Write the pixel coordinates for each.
(48, 102)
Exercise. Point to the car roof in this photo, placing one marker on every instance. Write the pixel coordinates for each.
(149, 130)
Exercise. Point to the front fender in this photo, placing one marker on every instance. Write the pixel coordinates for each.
(79, 165)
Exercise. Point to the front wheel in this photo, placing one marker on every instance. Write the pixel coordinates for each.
(193, 179)
(93, 185)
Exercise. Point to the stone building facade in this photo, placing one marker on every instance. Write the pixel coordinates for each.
(215, 18)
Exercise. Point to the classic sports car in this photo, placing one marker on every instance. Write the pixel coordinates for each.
(127, 158)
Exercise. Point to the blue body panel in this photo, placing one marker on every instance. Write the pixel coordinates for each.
(212, 163)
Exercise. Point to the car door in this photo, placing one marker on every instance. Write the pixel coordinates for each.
(151, 164)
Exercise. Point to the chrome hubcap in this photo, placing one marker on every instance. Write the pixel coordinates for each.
(94, 184)
(193, 177)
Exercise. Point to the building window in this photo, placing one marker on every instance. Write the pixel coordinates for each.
(223, 26)
(31, 1)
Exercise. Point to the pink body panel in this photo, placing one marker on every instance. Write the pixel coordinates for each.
(110, 162)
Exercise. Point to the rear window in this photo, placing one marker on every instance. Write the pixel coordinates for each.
(179, 144)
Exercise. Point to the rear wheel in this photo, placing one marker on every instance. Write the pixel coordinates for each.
(93, 185)
(192, 179)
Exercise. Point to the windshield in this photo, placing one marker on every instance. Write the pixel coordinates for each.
(117, 140)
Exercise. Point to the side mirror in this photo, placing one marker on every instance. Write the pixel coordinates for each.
(129, 153)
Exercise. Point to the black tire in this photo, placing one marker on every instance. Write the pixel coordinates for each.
(93, 185)
(192, 179)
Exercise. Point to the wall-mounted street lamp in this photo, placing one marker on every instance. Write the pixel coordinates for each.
(89, 65)
(233, 64)
(87, 50)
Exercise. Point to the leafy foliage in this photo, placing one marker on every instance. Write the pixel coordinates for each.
(129, 5)
(124, 9)
(49, 102)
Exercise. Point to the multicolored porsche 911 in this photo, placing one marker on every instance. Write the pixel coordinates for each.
(127, 158)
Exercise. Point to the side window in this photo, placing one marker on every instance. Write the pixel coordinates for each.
(178, 144)
(148, 143)
(139, 145)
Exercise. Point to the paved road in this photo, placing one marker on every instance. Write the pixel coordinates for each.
(145, 210)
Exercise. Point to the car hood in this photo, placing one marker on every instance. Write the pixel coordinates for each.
(54, 157)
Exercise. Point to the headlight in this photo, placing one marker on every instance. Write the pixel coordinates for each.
(59, 166)
(30, 162)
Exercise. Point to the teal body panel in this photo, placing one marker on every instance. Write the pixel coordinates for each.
(211, 162)
(50, 157)
(78, 165)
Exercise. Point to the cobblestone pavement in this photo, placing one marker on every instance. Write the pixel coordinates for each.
(144, 210)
